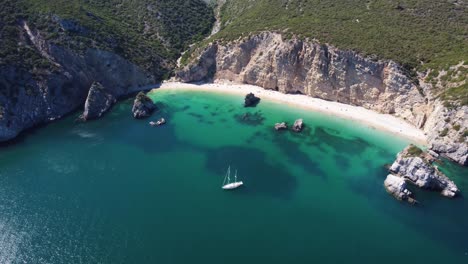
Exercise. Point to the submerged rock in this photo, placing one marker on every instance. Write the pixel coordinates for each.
(281, 126)
(397, 187)
(251, 100)
(99, 100)
(254, 119)
(298, 125)
(416, 167)
(143, 106)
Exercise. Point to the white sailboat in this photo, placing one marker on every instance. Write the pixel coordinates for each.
(227, 184)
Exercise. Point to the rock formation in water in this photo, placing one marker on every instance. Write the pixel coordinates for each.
(99, 100)
(50, 59)
(416, 167)
(281, 126)
(298, 125)
(143, 106)
(323, 71)
(251, 100)
(397, 187)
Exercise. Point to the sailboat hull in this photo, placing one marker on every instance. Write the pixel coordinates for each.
(233, 185)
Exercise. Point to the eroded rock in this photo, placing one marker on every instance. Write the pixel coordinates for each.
(143, 106)
(99, 100)
(413, 165)
(281, 126)
(251, 100)
(397, 187)
(298, 125)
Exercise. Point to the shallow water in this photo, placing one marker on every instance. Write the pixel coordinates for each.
(119, 191)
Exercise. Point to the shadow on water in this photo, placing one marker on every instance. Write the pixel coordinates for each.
(252, 119)
(297, 156)
(355, 146)
(142, 135)
(342, 161)
(259, 176)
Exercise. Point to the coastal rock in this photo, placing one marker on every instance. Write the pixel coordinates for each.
(319, 70)
(397, 187)
(251, 100)
(304, 66)
(99, 100)
(412, 165)
(27, 100)
(281, 126)
(455, 152)
(447, 132)
(298, 125)
(143, 106)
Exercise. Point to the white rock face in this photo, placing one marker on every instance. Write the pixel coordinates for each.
(323, 71)
(396, 186)
(420, 172)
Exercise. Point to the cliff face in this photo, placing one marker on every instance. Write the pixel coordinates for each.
(296, 66)
(27, 100)
(322, 71)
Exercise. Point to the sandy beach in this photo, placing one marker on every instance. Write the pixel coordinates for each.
(359, 114)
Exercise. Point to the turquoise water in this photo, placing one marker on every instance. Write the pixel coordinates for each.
(119, 191)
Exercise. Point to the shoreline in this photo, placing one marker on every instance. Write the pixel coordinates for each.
(359, 114)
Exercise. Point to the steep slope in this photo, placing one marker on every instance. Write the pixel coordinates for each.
(409, 59)
(52, 51)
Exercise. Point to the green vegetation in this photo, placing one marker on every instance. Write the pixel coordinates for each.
(418, 34)
(413, 151)
(149, 33)
(458, 94)
(456, 127)
(444, 132)
(407, 31)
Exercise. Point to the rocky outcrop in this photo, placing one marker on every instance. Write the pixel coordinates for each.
(397, 187)
(29, 98)
(143, 106)
(251, 100)
(447, 132)
(281, 126)
(298, 125)
(99, 100)
(323, 71)
(310, 68)
(413, 165)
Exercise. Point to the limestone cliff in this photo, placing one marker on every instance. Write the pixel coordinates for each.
(323, 71)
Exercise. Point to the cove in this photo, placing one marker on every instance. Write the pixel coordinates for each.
(117, 190)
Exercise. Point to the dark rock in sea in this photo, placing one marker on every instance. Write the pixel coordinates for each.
(416, 167)
(99, 100)
(143, 106)
(281, 126)
(298, 125)
(251, 100)
(254, 119)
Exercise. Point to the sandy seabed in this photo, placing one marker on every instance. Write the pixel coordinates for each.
(371, 118)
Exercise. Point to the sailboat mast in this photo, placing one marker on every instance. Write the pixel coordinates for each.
(235, 177)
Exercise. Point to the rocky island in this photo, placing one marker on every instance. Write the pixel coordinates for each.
(417, 167)
(143, 106)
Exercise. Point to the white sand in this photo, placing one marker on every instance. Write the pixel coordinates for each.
(373, 119)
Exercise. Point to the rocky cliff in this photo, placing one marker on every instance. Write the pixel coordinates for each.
(305, 66)
(417, 167)
(29, 98)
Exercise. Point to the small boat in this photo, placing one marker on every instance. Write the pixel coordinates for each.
(158, 123)
(227, 184)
